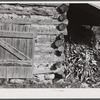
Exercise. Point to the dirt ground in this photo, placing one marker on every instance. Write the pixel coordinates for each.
(31, 83)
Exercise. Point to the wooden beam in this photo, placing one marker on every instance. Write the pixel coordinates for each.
(13, 50)
(14, 11)
(41, 4)
(48, 30)
(19, 63)
(33, 4)
(16, 21)
(16, 34)
(32, 11)
(31, 21)
(47, 58)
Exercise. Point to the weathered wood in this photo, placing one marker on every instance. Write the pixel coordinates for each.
(16, 72)
(33, 52)
(42, 71)
(2, 52)
(43, 48)
(10, 41)
(3, 72)
(42, 52)
(59, 43)
(19, 26)
(14, 11)
(20, 63)
(10, 71)
(30, 48)
(61, 27)
(45, 38)
(62, 8)
(13, 50)
(47, 30)
(12, 34)
(28, 72)
(21, 72)
(62, 17)
(48, 58)
(41, 4)
(50, 22)
(27, 11)
(31, 21)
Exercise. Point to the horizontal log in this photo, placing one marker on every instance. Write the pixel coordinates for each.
(31, 21)
(44, 47)
(29, 11)
(16, 21)
(18, 63)
(36, 29)
(45, 38)
(43, 51)
(42, 71)
(34, 11)
(51, 22)
(48, 30)
(47, 58)
(14, 11)
(16, 34)
(41, 4)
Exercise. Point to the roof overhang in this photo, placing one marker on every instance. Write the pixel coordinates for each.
(84, 14)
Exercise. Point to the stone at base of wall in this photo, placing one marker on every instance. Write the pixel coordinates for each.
(60, 81)
(47, 82)
(44, 82)
(42, 77)
(17, 81)
(49, 76)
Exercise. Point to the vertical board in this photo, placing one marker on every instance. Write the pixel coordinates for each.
(16, 72)
(10, 72)
(8, 55)
(28, 72)
(3, 72)
(1, 53)
(21, 72)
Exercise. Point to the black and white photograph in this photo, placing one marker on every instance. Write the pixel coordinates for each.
(49, 45)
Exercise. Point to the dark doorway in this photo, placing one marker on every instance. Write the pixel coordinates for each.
(80, 16)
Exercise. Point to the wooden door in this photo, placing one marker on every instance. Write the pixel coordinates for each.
(16, 49)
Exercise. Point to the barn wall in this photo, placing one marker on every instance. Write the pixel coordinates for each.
(26, 18)
(44, 54)
(38, 20)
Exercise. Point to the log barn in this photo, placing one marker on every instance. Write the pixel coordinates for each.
(26, 34)
(29, 35)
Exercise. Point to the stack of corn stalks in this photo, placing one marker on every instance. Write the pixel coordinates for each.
(82, 63)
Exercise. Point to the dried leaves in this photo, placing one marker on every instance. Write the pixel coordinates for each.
(83, 63)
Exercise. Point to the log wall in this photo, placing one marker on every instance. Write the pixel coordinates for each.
(31, 29)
